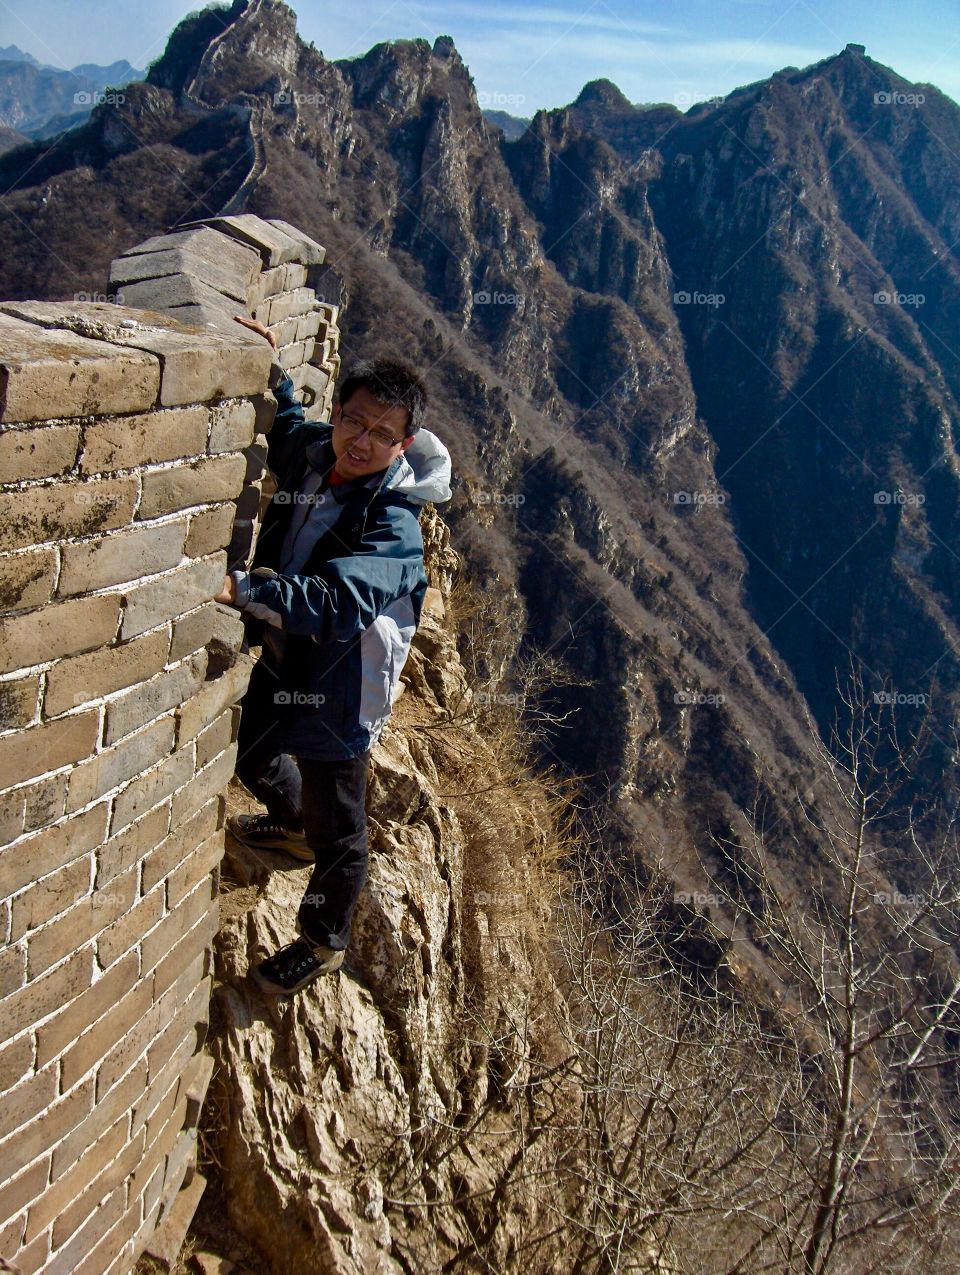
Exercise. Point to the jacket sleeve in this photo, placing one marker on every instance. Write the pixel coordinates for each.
(289, 419)
(351, 591)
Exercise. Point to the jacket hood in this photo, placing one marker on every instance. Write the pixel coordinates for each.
(422, 472)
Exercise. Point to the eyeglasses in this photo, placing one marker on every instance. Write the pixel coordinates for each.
(354, 428)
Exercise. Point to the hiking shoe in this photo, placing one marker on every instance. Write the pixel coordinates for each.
(295, 966)
(263, 832)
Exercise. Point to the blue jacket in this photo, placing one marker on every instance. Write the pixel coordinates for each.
(336, 633)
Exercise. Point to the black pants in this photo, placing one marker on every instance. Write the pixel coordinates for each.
(326, 799)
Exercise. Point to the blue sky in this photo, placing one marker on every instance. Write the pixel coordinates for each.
(528, 54)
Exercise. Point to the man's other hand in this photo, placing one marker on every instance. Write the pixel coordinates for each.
(260, 328)
(228, 593)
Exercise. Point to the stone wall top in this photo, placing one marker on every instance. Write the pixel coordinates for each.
(67, 359)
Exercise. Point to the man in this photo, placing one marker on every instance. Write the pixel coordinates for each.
(338, 583)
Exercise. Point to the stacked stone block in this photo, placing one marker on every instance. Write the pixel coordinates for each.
(122, 452)
(206, 272)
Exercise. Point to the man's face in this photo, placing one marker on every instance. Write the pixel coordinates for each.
(357, 453)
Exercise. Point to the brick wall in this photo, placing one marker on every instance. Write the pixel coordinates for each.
(131, 474)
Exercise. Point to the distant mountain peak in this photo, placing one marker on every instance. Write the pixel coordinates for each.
(605, 93)
(13, 54)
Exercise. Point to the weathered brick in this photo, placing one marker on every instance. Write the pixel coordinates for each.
(125, 555)
(16, 1060)
(192, 631)
(93, 914)
(115, 1254)
(27, 578)
(193, 945)
(27, 1100)
(60, 628)
(109, 1107)
(152, 788)
(210, 530)
(199, 865)
(51, 895)
(132, 844)
(265, 406)
(291, 356)
(217, 737)
(41, 748)
(297, 301)
(57, 511)
(127, 1058)
(86, 677)
(206, 243)
(210, 782)
(92, 1046)
(175, 848)
(41, 452)
(11, 1237)
(11, 815)
(308, 251)
(21, 1191)
(54, 1036)
(182, 1027)
(64, 1261)
(58, 1120)
(210, 702)
(194, 366)
(124, 442)
(274, 245)
(122, 936)
(170, 595)
(32, 1258)
(35, 856)
(172, 928)
(46, 374)
(12, 969)
(111, 1177)
(200, 482)
(154, 1111)
(152, 698)
(18, 701)
(116, 765)
(232, 426)
(44, 802)
(182, 259)
(85, 1170)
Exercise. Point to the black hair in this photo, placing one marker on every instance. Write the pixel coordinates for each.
(392, 383)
